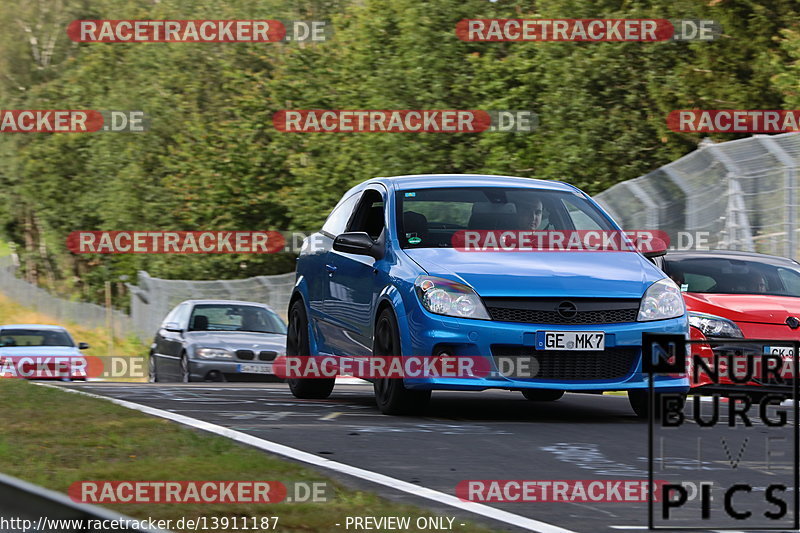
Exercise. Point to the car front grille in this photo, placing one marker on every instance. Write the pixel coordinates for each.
(573, 310)
(611, 363)
(267, 356)
(246, 355)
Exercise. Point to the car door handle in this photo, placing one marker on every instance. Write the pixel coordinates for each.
(330, 268)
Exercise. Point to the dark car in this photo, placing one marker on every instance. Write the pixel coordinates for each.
(217, 340)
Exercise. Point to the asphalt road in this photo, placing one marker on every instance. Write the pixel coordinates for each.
(500, 435)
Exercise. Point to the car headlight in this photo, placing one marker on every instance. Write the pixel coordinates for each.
(213, 353)
(715, 326)
(663, 299)
(444, 297)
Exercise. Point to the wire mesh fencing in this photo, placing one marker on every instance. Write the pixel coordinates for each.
(152, 298)
(738, 195)
(40, 300)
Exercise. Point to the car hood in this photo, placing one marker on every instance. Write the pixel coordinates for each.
(237, 340)
(764, 309)
(40, 351)
(531, 274)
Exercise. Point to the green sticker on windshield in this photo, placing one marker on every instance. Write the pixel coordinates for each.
(414, 240)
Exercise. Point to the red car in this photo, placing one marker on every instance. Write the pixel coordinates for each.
(740, 295)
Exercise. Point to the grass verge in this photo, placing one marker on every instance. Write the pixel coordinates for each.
(54, 438)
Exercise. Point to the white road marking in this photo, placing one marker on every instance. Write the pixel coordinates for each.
(305, 457)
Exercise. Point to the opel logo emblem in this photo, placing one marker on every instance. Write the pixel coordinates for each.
(567, 310)
(793, 322)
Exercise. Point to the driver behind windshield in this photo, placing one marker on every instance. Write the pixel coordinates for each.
(251, 320)
(531, 214)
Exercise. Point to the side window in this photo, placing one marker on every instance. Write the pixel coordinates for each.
(581, 219)
(173, 315)
(790, 280)
(369, 216)
(338, 218)
(182, 317)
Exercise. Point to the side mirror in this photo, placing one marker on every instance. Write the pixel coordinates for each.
(173, 327)
(359, 243)
(83, 345)
(651, 248)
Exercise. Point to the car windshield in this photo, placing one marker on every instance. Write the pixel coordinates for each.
(428, 218)
(721, 275)
(235, 317)
(34, 337)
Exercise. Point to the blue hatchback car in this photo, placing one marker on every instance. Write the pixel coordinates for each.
(383, 277)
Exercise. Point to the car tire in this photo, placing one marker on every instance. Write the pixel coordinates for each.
(542, 395)
(640, 402)
(152, 372)
(186, 375)
(391, 395)
(297, 344)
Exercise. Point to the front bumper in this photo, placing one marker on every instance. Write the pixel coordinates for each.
(740, 359)
(214, 370)
(430, 334)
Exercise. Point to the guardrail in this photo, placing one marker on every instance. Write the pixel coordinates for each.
(20, 500)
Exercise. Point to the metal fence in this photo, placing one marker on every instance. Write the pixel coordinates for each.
(742, 194)
(37, 298)
(24, 506)
(152, 298)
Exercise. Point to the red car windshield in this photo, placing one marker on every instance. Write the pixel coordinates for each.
(721, 275)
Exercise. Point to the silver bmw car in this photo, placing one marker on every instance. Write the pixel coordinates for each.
(217, 340)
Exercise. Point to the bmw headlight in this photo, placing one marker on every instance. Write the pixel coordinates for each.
(445, 297)
(213, 353)
(663, 299)
(715, 326)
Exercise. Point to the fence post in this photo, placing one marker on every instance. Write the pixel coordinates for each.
(652, 206)
(109, 318)
(790, 180)
(736, 218)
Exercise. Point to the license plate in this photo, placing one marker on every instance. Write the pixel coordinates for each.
(571, 340)
(255, 369)
(783, 351)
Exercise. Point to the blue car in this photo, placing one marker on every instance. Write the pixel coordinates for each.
(385, 275)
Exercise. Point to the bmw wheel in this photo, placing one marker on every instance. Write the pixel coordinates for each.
(186, 376)
(152, 373)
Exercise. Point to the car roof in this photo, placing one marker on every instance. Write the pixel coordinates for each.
(33, 326)
(731, 254)
(428, 181)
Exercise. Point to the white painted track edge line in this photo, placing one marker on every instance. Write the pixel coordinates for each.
(440, 497)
